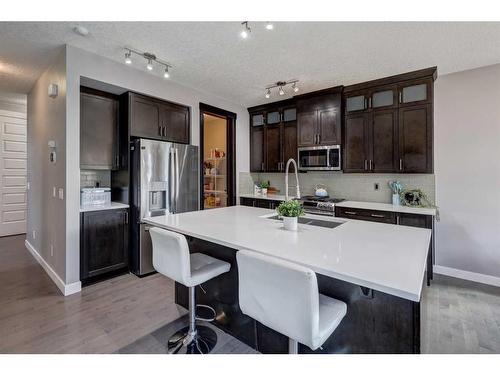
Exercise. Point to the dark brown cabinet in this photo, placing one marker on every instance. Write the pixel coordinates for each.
(388, 124)
(103, 242)
(157, 119)
(99, 130)
(273, 136)
(319, 118)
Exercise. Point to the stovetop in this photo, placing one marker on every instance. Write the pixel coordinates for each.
(313, 198)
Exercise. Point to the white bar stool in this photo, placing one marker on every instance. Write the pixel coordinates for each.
(284, 296)
(171, 258)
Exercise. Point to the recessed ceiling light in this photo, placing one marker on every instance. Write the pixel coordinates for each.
(80, 30)
(269, 26)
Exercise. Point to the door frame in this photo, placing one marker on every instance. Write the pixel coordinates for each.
(206, 109)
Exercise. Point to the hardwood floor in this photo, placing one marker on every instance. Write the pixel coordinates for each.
(112, 316)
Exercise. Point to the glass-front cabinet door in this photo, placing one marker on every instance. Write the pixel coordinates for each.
(416, 92)
(273, 117)
(356, 102)
(384, 97)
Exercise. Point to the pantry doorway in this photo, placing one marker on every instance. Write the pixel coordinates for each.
(217, 156)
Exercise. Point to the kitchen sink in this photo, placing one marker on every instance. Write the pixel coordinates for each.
(309, 221)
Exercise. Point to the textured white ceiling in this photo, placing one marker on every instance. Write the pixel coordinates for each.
(211, 56)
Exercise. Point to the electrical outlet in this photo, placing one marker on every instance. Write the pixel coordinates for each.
(51, 250)
(376, 186)
(34, 234)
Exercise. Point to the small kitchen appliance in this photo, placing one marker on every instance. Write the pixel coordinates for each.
(319, 205)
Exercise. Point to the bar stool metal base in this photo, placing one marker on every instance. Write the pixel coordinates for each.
(202, 342)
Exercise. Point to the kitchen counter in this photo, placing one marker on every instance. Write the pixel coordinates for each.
(388, 207)
(111, 206)
(357, 204)
(384, 257)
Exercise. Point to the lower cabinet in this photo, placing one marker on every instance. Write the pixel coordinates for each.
(103, 242)
(410, 220)
(261, 203)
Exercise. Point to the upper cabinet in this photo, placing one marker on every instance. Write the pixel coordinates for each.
(99, 125)
(273, 136)
(388, 124)
(319, 120)
(158, 119)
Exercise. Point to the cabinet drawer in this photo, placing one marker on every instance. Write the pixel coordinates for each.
(367, 215)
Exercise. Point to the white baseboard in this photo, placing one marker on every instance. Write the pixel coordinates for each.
(467, 275)
(66, 289)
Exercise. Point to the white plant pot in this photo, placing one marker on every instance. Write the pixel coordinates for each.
(290, 223)
(264, 191)
(395, 200)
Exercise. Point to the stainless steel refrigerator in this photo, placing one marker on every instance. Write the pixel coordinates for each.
(165, 180)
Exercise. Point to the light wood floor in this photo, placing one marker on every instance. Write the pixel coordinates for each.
(457, 316)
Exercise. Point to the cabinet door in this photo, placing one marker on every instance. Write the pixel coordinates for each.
(356, 102)
(289, 142)
(356, 143)
(329, 126)
(415, 92)
(273, 148)
(384, 155)
(257, 149)
(104, 242)
(247, 202)
(415, 139)
(175, 122)
(98, 132)
(384, 97)
(273, 117)
(307, 128)
(145, 117)
(414, 220)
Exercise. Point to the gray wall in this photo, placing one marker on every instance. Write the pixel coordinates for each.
(57, 221)
(47, 121)
(467, 168)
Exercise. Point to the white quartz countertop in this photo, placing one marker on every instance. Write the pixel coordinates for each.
(385, 257)
(111, 206)
(388, 207)
(360, 205)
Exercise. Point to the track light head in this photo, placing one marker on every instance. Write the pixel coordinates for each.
(268, 93)
(150, 65)
(281, 92)
(245, 31)
(166, 74)
(295, 87)
(128, 59)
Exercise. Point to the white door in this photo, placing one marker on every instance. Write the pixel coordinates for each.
(13, 161)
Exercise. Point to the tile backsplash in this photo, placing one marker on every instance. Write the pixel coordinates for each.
(351, 186)
(89, 178)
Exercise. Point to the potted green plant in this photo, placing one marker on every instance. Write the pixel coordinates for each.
(290, 211)
(263, 187)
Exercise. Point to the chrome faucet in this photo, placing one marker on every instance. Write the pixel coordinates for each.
(291, 161)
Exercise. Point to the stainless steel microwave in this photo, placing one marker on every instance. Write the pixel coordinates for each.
(319, 158)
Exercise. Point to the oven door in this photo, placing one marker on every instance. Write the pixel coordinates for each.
(319, 158)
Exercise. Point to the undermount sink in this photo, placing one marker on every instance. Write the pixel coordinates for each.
(314, 222)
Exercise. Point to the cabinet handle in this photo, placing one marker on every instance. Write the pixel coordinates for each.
(319, 139)
(400, 97)
(366, 164)
(379, 216)
(262, 166)
(164, 130)
(370, 102)
(126, 217)
(350, 212)
(397, 220)
(371, 165)
(365, 106)
(400, 164)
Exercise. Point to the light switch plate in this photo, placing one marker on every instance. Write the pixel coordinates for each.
(61, 193)
(54, 191)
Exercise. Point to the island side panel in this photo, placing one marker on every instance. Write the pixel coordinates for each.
(376, 322)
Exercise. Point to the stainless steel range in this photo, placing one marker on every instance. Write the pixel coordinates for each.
(319, 206)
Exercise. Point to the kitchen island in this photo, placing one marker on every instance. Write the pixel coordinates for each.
(377, 269)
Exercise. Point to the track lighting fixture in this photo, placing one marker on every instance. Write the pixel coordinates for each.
(151, 59)
(128, 60)
(245, 31)
(280, 85)
(269, 26)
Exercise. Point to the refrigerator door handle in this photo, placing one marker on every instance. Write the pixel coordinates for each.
(177, 178)
(171, 182)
